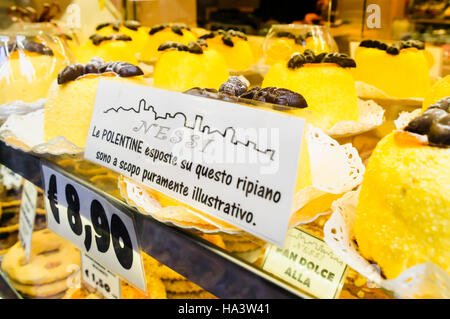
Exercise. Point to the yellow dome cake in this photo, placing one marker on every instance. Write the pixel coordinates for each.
(324, 81)
(161, 33)
(70, 100)
(27, 69)
(234, 47)
(110, 48)
(403, 210)
(438, 91)
(399, 70)
(182, 67)
(130, 28)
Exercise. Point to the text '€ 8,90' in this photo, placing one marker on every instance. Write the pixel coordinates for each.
(94, 225)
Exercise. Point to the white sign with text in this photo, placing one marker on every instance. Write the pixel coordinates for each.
(94, 225)
(235, 162)
(27, 216)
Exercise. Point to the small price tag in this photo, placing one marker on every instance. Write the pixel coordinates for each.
(94, 225)
(27, 215)
(100, 278)
(308, 263)
(10, 179)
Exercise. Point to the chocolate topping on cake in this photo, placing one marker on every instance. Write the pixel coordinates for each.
(297, 60)
(434, 122)
(235, 88)
(28, 45)
(395, 48)
(97, 38)
(226, 36)
(130, 24)
(280, 96)
(192, 47)
(98, 66)
(176, 28)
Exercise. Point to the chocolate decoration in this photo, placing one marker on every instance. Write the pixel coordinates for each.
(98, 66)
(70, 73)
(280, 96)
(97, 38)
(207, 36)
(442, 104)
(29, 45)
(434, 122)
(226, 36)
(157, 28)
(193, 46)
(132, 24)
(250, 94)
(102, 25)
(393, 49)
(233, 86)
(297, 60)
(176, 28)
(340, 59)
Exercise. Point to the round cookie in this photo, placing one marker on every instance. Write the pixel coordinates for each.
(181, 286)
(45, 290)
(50, 259)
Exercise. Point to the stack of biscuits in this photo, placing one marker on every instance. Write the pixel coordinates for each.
(9, 219)
(53, 267)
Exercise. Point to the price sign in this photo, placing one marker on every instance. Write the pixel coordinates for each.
(94, 225)
(27, 215)
(306, 262)
(10, 179)
(100, 278)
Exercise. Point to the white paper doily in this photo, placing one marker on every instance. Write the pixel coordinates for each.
(421, 281)
(371, 115)
(20, 107)
(335, 169)
(136, 196)
(367, 91)
(26, 132)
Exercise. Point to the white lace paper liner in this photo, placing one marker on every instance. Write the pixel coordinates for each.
(367, 91)
(335, 169)
(26, 132)
(421, 281)
(20, 107)
(371, 115)
(137, 197)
